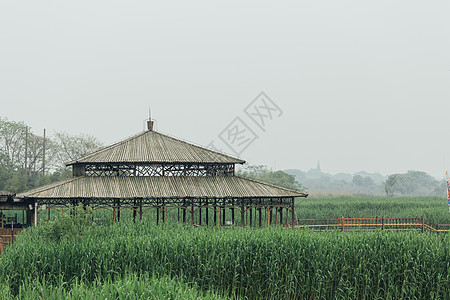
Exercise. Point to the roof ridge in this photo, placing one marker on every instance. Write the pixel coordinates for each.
(107, 147)
(213, 155)
(198, 146)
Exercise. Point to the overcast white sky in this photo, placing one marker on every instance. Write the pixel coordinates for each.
(363, 85)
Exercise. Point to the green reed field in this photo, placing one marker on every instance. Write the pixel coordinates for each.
(129, 259)
(73, 257)
(434, 209)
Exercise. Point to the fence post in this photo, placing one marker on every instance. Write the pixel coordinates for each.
(342, 224)
(382, 223)
(423, 224)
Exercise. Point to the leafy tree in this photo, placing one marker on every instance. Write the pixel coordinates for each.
(12, 145)
(263, 174)
(412, 183)
(22, 155)
(389, 185)
(71, 147)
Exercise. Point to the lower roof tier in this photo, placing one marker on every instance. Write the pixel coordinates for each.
(159, 187)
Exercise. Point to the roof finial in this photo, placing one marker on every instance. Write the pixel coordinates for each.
(150, 122)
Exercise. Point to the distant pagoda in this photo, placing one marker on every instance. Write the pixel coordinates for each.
(153, 170)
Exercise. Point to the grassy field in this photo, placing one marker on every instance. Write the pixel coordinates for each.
(432, 208)
(69, 260)
(270, 263)
(127, 287)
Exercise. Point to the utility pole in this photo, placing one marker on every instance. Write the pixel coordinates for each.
(43, 157)
(26, 156)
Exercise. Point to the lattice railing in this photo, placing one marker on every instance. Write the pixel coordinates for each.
(400, 224)
(159, 170)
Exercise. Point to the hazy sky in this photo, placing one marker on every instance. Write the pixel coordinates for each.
(362, 85)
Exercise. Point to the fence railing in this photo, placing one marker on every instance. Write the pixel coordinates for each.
(400, 224)
(7, 236)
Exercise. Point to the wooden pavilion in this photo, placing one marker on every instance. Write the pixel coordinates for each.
(170, 178)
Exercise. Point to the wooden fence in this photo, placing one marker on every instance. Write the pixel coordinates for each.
(7, 236)
(392, 224)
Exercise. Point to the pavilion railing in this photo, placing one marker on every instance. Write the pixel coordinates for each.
(8, 235)
(391, 224)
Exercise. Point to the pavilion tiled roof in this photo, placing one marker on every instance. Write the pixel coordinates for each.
(120, 187)
(6, 193)
(154, 147)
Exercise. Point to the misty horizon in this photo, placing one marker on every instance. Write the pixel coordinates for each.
(360, 86)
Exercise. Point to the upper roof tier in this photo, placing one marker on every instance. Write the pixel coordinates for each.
(154, 147)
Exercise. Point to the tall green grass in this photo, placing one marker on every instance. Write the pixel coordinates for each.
(434, 209)
(270, 263)
(128, 287)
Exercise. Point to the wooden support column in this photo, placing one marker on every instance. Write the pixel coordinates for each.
(260, 217)
(242, 214)
(192, 212)
(184, 210)
(200, 214)
(281, 216)
(287, 217)
(215, 212)
(232, 212)
(293, 212)
(217, 217)
(118, 210)
(134, 211)
(30, 217)
(163, 211)
(223, 214)
(207, 213)
(157, 212)
(251, 216)
(140, 210)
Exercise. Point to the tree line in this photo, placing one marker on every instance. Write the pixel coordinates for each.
(28, 160)
(264, 174)
(411, 183)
